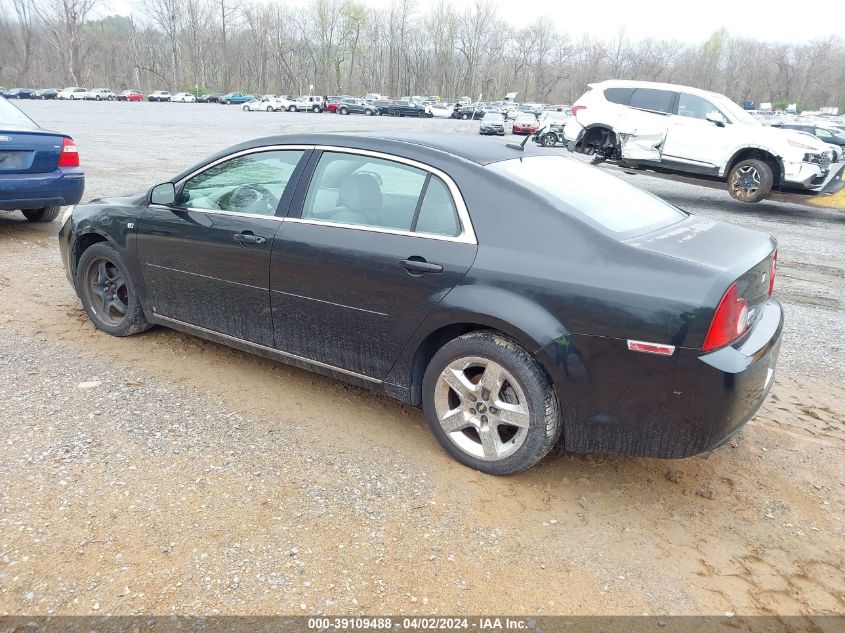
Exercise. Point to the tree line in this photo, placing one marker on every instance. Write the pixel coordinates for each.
(346, 47)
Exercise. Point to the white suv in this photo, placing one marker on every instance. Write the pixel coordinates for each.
(693, 131)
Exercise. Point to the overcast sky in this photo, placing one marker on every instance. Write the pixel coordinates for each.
(693, 21)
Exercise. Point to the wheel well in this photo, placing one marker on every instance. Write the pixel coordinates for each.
(753, 153)
(597, 138)
(428, 348)
(83, 243)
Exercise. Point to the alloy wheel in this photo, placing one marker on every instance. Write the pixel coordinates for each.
(106, 291)
(481, 408)
(746, 181)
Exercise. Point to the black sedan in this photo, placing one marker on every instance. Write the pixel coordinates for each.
(521, 299)
(18, 93)
(407, 108)
(45, 93)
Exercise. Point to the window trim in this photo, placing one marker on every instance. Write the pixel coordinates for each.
(179, 184)
(467, 234)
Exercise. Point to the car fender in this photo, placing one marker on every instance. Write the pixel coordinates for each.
(741, 147)
(502, 309)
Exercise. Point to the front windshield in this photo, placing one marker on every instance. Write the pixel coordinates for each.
(10, 115)
(571, 186)
(732, 110)
(492, 117)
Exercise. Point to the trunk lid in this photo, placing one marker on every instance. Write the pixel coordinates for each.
(733, 253)
(28, 151)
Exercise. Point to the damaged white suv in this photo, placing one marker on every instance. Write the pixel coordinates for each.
(685, 130)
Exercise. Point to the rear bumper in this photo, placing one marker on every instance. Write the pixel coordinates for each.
(618, 401)
(61, 187)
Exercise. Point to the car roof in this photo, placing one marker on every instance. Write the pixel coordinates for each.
(631, 83)
(468, 147)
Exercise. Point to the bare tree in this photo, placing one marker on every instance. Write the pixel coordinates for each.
(64, 20)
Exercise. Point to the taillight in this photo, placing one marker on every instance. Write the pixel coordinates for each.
(69, 156)
(577, 109)
(729, 322)
(772, 273)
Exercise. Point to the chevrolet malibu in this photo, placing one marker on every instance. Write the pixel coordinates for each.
(521, 300)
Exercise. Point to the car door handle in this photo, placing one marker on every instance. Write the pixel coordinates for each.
(418, 265)
(249, 238)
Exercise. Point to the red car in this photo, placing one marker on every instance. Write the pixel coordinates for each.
(332, 103)
(525, 124)
(130, 95)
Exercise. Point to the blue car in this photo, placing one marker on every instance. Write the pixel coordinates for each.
(39, 170)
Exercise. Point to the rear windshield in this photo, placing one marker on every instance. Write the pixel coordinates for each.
(11, 116)
(601, 199)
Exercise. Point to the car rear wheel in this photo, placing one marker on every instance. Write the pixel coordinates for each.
(45, 214)
(315, 109)
(291, 108)
(750, 180)
(368, 113)
(344, 111)
(490, 404)
(107, 292)
(548, 140)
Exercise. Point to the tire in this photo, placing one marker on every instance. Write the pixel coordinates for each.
(45, 214)
(548, 140)
(750, 180)
(99, 266)
(315, 109)
(291, 108)
(465, 117)
(227, 102)
(344, 111)
(245, 109)
(523, 386)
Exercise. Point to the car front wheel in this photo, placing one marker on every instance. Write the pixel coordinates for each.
(490, 404)
(750, 180)
(548, 140)
(107, 293)
(45, 214)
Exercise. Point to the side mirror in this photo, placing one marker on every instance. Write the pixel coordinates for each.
(163, 194)
(717, 117)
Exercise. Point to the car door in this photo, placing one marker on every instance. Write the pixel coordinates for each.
(646, 119)
(372, 244)
(205, 259)
(694, 140)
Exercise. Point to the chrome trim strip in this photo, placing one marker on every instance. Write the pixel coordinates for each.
(331, 303)
(238, 214)
(185, 272)
(270, 350)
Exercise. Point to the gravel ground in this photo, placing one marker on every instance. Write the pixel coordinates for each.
(162, 474)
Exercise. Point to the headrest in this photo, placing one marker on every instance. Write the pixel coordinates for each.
(361, 193)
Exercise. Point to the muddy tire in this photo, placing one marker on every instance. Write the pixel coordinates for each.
(44, 214)
(108, 293)
(750, 180)
(490, 404)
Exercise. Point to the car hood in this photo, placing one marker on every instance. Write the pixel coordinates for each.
(779, 136)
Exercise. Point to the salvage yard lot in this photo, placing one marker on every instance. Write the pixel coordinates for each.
(164, 474)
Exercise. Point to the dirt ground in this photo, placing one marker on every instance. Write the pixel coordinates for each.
(163, 474)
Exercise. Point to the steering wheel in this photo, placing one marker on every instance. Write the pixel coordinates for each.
(246, 197)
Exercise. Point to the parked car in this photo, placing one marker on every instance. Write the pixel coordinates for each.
(332, 102)
(45, 93)
(357, 106)
(100, 94)
(310, 103)
(492, 123)
(825, 134)
(267, 103)
(130, 95)
(183, 97)
(39, 170)
(211, 97)
(705, 133)
(237, 98)
(159, 95)
(17, 93)
(407, 108)
(72, 94)
(467, 112)
(525, 123)
(653, 333)
(439, 110)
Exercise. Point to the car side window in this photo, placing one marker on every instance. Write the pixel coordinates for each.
(823, 133)
(694, 106)
(621, 96)
(437, 214)
(364, 191)
(654, 100)
(251, 183)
